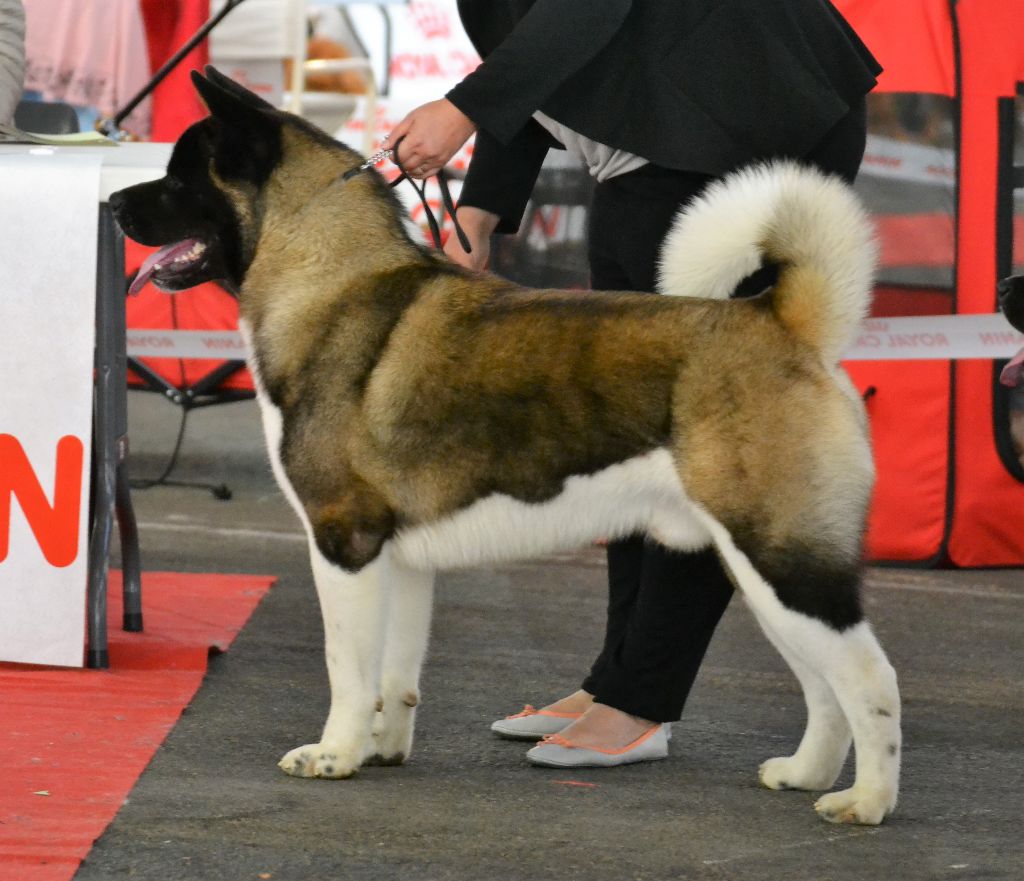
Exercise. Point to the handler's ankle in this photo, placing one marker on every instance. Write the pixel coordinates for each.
(577, 702)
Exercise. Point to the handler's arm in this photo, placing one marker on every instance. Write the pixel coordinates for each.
(554, 40)
(497, 187)
(500, 177)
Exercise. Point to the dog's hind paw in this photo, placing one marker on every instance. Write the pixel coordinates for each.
(855, 806)
(319, 760)
(790, 773)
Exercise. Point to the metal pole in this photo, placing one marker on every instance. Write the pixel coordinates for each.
(112, 127)
(109, 281)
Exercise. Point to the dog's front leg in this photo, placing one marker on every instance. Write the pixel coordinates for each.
(410, 602)
(353, 606)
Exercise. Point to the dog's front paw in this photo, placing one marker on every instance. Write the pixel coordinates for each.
(855, 806)
(789, 772)
(319, 760)
(393, 726)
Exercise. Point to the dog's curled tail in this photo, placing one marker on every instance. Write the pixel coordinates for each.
(811, 224)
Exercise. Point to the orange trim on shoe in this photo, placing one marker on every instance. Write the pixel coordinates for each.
(558, 740)
(528, 710)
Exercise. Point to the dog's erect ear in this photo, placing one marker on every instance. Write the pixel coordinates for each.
(229, 105)
(215, 77)
(248, 137)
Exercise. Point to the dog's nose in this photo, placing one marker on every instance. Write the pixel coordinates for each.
(118, 207)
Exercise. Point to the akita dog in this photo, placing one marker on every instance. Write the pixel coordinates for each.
(420, 416)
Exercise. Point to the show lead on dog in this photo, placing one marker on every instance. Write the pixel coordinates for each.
(657, 97)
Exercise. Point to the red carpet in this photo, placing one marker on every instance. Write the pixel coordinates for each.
(73, 742)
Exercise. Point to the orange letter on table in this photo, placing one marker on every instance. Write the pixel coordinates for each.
(54, 526)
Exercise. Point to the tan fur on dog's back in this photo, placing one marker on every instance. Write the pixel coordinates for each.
(635, 349)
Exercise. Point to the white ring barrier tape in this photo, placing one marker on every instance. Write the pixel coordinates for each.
(900, 160)
(220, 345)
(931, 337)
(913, 338)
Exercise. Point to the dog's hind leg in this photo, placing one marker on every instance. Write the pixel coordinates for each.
(410, 602)
(825, 744)
(865, 686)
(816, 616)
(353, 607)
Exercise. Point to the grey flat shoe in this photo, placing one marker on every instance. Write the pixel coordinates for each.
(557, 752)
(533, 724)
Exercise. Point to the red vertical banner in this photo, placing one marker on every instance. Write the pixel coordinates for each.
(989, 500)
(909, 403)
(912, 40)
(169, 24)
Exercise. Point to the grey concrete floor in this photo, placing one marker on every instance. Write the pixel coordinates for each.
(213, 805)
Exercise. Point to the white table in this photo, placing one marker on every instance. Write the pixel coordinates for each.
(122, 166)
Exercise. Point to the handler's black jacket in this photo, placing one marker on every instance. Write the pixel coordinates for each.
(696, 85)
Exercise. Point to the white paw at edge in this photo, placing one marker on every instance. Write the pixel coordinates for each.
(787, 772)
(855, 806)
(318, 760)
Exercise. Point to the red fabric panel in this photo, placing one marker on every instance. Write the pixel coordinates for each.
(909, 410)
(916, 239)
(73, 742)
(169, 24)
(989, 506)
(912, 40)
(909, 413)
(894, 301)
(205, 307)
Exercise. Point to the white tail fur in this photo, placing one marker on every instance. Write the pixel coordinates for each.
(788, 213)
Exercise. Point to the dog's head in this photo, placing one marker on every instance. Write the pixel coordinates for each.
(1011, 301)
(206, 214)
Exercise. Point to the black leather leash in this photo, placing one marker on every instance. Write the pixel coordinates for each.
(447, 204)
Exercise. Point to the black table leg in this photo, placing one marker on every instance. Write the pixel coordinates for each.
(111, 496)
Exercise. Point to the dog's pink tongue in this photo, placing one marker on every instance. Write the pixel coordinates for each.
(1013, 371)
(159, 258)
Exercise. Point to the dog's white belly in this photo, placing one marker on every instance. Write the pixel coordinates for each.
(642, 494)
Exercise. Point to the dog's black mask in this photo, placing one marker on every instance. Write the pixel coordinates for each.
(218, 165)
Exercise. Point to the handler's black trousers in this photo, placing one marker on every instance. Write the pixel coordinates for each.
(663, 605)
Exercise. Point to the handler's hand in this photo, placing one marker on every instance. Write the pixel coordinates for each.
(433, 133)
(478, 225)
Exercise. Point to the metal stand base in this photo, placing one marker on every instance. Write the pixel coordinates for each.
(133, 622)
(98, 659)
